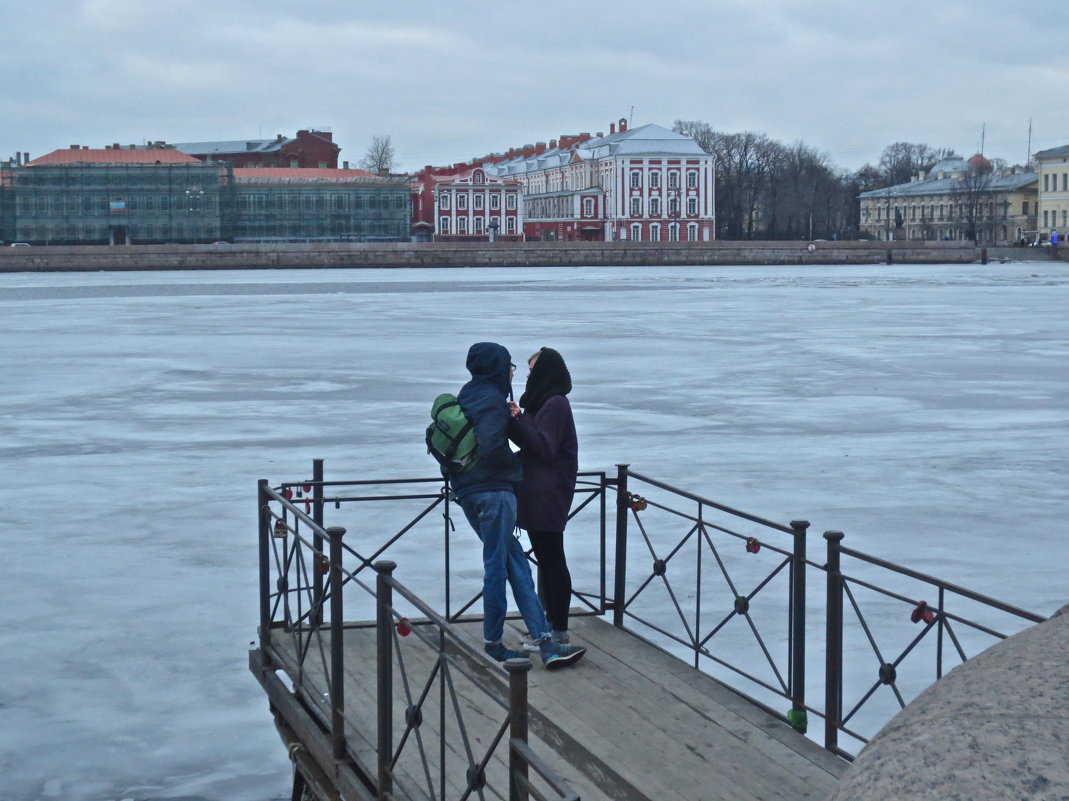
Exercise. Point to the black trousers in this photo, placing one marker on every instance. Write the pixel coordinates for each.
(554, 580)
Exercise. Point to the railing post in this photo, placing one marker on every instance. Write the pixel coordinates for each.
(833, 664)
(263, 510)
(517, 669)
(384, 638)
(317, 542)
(337, 655)
(798, 716)
(619, 584)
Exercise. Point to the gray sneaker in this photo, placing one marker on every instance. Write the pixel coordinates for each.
(556, 655)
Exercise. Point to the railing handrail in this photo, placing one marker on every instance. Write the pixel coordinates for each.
(941, 584)
(305, 513)
(711, 503)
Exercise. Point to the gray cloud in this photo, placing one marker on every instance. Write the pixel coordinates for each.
(453, 80)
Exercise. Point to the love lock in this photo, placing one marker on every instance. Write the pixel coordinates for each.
(322, 564)
(922, 612)
(280, 528)
(287, 493)
(403, 627)
(636, 502)
(752, 545)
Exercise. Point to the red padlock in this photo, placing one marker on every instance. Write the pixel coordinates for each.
(922, 612)
(403, 627)
(752, 545)
(287, 493)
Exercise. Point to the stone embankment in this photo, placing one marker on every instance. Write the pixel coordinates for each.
(503, 254)
(993, 729)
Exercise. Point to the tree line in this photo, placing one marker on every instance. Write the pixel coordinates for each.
(768, 190)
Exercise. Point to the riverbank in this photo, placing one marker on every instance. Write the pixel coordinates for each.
(499, 254)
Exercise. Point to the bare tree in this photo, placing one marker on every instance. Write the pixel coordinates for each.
(379, 156)
(902, 160)
(975, 197)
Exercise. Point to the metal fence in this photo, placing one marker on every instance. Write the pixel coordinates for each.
(316, 584)
(734, 594)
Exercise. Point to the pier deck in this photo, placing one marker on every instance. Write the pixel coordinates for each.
(629, 722)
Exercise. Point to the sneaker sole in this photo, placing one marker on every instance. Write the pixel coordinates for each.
(563, 661)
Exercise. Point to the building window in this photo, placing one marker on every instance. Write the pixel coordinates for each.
(588, 207)
(495, 202)
(692, 207)
(443, 225)
(692, 232)
(478, 177)
(477, 202)
(1065, 218)
(636, 179)
(477, 225)
(462, 201)
(510, 225)
(636, 207)
(673, 179)
(692, 179)
(673, 207)
(1024, 208)
(655, 180)
(510, 202)
(462, 224)
(655, 233)
(1046, 183)
(1044, 218)
(673, 232)
(636, 233)
(655, 206)
(443, 201)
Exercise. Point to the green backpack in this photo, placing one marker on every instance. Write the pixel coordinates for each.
(450, 437)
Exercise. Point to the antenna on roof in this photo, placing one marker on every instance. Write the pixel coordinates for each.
(630, 117)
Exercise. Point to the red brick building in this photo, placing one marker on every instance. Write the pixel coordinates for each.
(311, 148)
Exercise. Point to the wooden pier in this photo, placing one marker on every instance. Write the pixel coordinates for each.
(629, 722)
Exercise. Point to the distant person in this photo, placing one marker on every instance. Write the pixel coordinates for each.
(487, 494)
(1054, 239)
(549, 452)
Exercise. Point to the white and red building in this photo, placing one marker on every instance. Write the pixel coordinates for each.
(646, 184)
(465, 204)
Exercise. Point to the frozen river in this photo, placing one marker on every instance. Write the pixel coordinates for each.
(923, 410)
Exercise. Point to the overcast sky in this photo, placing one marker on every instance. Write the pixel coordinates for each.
(452, 80)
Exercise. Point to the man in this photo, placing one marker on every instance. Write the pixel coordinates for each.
(487, 494)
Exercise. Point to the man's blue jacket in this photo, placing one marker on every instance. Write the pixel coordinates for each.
(483, 400)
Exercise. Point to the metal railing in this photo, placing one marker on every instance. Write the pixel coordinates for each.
(728, 591)
(310, 579)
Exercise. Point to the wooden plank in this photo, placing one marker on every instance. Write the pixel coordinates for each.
(628, 723)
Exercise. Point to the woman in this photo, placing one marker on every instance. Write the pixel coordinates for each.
(549, 452)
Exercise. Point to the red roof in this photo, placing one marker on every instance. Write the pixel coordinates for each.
(110, 156)
(282, 174)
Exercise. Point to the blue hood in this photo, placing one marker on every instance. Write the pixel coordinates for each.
(490, 362)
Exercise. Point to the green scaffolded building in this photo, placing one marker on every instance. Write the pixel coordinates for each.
(117, 196)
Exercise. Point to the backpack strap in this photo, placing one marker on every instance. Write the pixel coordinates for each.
(451, 452)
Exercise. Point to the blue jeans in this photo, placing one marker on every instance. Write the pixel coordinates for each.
(493, 516)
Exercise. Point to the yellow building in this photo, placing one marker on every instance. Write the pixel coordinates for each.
(1052, 169)
(957, 199)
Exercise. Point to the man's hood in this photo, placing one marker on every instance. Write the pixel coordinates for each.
(490, 362)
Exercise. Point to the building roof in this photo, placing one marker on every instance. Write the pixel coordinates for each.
(258, 175)
(1054, 152)
(646, 140)
(952, 182)
(233, 146)
(106, 156)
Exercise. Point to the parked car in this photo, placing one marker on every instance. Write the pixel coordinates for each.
(20, 244)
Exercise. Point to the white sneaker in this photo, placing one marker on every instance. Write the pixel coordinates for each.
(529, 643)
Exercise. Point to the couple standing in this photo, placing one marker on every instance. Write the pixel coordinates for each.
(532, 489)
